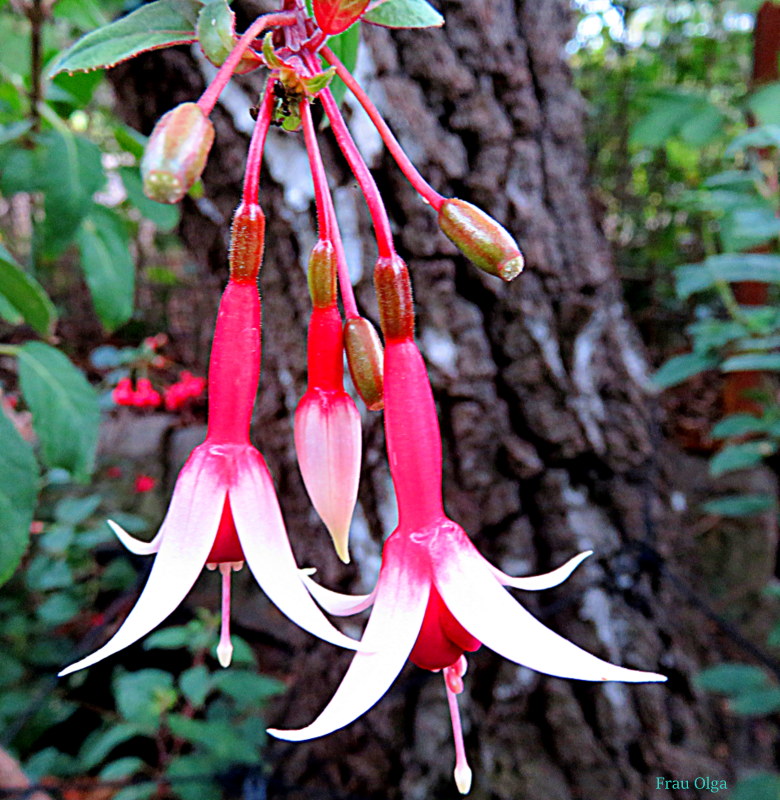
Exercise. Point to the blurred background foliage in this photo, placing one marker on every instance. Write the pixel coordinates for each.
(683, 144)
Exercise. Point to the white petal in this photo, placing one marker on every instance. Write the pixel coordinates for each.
(489, 613)
(263, 538)
(196, 508)
(402, 595)
(535, 583)
(336, 603)
(134, 545)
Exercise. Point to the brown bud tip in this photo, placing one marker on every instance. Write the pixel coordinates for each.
(481, 239)
(247, 240)
(365, 359)
(394, 296)
(176, 153)
(322, 275)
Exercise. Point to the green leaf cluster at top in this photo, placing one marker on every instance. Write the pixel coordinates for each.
(164, 23)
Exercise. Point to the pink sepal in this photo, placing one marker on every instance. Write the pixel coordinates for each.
(263, 538)
(537, 583)
(484, 608)
(328, 445)
(136, 546)
(392, 629)
(336, 603)
(191, 522)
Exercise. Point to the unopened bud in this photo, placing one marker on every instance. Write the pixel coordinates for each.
(394, 296)
(322, 274)
(365, 358)
(217, 37)
(247, 240)
(176, 153)
(481, 239)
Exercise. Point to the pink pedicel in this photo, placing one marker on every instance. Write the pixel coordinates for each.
(436, 597)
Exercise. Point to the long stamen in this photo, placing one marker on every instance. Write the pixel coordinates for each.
(368, 187)
(462, 769)
(326, 214)
(209, 98)
(254, 157)
(225, 646)
(424, 189)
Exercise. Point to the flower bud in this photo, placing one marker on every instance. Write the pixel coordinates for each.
(176, 153)
(394, 296)
(322, 274)
(365, 358)
(328, 446)
(481, 239)
(247, 241)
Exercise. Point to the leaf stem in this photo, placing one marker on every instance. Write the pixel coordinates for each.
(423, 188)
(209, 98)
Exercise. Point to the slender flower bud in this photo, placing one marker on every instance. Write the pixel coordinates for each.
(394, 296)
(365, 358)
(322, 274)
(176, 153)
(481, 239)
(247, 242)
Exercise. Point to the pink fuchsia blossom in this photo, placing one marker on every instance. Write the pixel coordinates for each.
(224, 508)
(327, 422)
(437, 597)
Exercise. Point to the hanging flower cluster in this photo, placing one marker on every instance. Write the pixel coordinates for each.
(436, 598)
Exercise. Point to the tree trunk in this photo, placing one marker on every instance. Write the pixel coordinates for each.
(552, 442)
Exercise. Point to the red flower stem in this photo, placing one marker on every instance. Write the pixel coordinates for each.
(254, 158)
(423, 188)
(209, 98)
(324, 220)
(326, 215)
(384, 238)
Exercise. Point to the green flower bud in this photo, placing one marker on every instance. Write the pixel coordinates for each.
(322, 275)
(394, 296)
(247, 241)
(481, 239)
(176, 153)
(365, 358)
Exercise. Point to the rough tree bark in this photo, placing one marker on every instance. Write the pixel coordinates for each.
(552, 443)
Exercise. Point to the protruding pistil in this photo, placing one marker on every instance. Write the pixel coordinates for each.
(225, 646)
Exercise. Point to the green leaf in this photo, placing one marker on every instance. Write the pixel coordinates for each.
(64, 408)
(18, 494)
(25, 294)
(765, 104)
(217, 37)
(739, 505)
(168, 638)
(130, 140)
(58, 609)
(759, 702)
(159, 24)
(141, 791)
(75, 510)
(738, 425)
(163, 215)
(345, 46)
(679, 368)
(8, 133)
(99, 744)
(730, 267)
(764, 362)
(195, 684)
(121, 768)
(732, 678)
(142, 696)
(404, 14)
(760, 136)
(72, 171)
(740, 456)
(247, 687)
(670, 113)
(108, 266)
(764, 786)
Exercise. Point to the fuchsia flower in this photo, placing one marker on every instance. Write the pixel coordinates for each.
(436, 597)
(224, 508)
